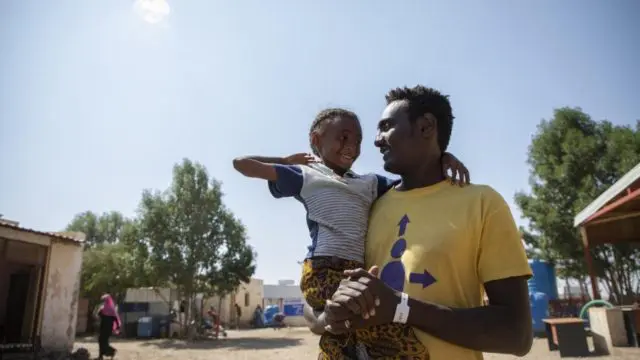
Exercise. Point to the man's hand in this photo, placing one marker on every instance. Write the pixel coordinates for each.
(459, 173)
(369, 302)
(300, 159)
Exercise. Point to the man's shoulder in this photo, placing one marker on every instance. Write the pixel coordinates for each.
(489, 196)
(478, 190)
(479, 196)
(484, 200)
(471, 192)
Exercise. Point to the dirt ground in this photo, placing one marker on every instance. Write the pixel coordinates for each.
(267, 344)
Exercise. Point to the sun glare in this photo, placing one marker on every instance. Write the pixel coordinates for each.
(152, 11)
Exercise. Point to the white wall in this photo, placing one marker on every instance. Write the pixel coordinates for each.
(151, 295)
(61, 296)
(278, 295)
(255, 291)
(227, 311)
(282, 292)
(223, 308)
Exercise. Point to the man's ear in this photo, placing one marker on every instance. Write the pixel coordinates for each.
(427, 125)
(314, 138)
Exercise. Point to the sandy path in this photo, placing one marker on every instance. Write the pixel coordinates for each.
(267, 344)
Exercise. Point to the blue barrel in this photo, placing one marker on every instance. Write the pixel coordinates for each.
(269, 312)
(162, 328)
(539, 303)
(156, 324)
(145, 327)
(544, 278)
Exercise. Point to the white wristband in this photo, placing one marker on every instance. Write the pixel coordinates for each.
(402, 310)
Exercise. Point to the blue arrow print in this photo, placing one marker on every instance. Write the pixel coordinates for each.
(402, 225)
(426, 279)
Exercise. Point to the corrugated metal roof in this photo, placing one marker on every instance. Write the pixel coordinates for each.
(76, 237)
(629, 178)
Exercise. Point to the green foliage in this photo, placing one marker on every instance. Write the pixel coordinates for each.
(236, 262)
(183, 237)
(573, 159)
(113, 260)
(195, 242)
(108, 269)
(107, 228)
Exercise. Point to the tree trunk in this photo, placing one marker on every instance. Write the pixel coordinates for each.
(616, 295)
(187, 315)
(220, 298)
(584, 293)
(607, 284)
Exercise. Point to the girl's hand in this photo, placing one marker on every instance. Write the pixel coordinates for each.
(368, 299)
(300, 159)
(459, 172)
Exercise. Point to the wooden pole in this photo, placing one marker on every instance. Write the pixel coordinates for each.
(589, 260)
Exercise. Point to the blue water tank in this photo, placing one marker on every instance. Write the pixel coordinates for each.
(145, 327)
(539, 303)
(157, 322)
(269, 312)
(544, 278)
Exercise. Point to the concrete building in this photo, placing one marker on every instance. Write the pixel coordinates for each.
(160, 300)
(39, 285)
(248, 296)
(288, 297)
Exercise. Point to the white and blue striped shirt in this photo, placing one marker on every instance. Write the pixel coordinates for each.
(337, 207)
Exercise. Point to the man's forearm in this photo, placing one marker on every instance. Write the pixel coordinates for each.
(494, 329)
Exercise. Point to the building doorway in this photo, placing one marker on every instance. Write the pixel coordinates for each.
(21, 283)
(16, 304)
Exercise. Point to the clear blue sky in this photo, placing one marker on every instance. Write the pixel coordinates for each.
(96, 104)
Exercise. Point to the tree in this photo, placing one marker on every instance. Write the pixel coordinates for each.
(114, 259)
(572, 160)
(109, 269)
(108, 228)
(195, 242)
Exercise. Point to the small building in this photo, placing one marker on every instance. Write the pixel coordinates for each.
(160, 300)
(39, 286)
(288, 297)
(248, 296)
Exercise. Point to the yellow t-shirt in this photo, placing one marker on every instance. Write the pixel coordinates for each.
(441, 244)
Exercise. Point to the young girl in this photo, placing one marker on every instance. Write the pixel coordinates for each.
(337, 201)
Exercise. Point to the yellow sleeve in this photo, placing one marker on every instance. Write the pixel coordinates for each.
(501, 250)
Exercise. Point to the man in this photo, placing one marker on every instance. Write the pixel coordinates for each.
(238, 315)
(213, 315)
(432, 248)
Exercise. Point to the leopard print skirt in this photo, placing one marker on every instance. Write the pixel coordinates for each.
(321, 277)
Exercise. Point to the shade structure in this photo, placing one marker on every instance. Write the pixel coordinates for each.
(613, 217)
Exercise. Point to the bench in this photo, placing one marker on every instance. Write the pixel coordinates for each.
(567, 335)
(631, 317)
(18, 350)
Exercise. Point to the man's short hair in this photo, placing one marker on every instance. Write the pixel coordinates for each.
(424, 100)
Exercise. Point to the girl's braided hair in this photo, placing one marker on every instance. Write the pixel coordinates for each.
(322, 118)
